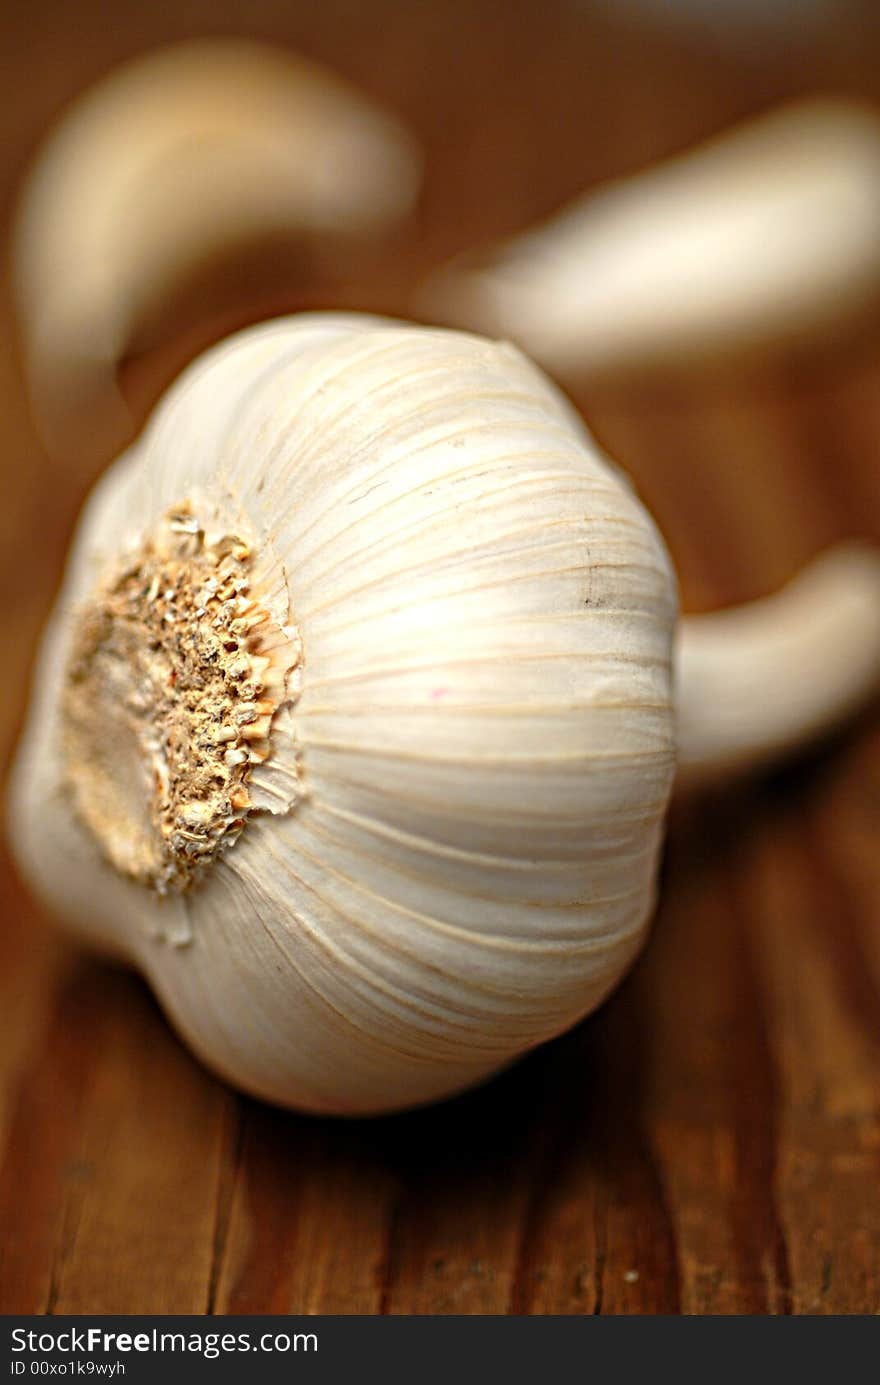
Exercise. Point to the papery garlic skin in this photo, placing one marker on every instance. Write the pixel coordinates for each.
(472, 767)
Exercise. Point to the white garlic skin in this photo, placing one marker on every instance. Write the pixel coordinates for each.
(481, 750)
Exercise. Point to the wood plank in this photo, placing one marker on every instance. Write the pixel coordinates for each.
(109, 1187)
(600, 1237)
(309, 1215)
(43, 1134)
(140, 1218)
(828, 1078)
(463, 1169)
(710, 1098)
(844, 830)
(709, 1141)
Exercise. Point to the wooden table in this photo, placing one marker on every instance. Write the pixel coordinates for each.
(709, 1142)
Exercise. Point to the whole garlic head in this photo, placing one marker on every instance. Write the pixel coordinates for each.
(353, 729)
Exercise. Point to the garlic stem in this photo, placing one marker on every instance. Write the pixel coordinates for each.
(759, 680)
(761, 237)
(159, 187)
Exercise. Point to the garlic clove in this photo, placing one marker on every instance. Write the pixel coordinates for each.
(760, 238)
(758, 681)
(175, 166)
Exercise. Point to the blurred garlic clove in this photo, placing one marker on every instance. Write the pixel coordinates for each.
(354, 727)
(761, 680)
(159, 182)
(762, 237)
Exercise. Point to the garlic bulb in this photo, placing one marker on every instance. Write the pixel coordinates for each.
(354, 726)
(761, 237)
(162, 176)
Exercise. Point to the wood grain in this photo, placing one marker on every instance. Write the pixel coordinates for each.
(710, 1141)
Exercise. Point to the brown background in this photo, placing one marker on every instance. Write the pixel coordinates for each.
(710, 1141)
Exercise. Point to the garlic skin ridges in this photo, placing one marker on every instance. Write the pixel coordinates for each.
(472, 770)
(763, 237)
(168, 177)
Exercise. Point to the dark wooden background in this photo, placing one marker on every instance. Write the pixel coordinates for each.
(709, 1142)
